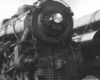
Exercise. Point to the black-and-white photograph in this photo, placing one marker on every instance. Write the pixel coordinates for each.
(49, 40)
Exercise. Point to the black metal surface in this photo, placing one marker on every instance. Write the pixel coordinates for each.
(44, 30)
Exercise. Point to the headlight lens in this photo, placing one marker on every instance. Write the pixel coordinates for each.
(58, 18)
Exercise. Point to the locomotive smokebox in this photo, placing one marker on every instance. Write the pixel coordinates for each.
(52, 21)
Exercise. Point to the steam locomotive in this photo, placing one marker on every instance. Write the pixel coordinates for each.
(40, 43)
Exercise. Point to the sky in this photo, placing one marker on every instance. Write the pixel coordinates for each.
(79, 7)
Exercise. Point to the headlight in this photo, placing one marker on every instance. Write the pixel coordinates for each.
(57, 18)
